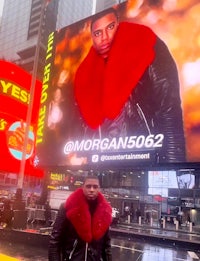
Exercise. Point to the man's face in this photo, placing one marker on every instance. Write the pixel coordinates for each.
(91, 189)
(103, 32)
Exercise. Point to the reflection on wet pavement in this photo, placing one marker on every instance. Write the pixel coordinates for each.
(23, 252)
(176, 235)
(139, 251)
(122, 249)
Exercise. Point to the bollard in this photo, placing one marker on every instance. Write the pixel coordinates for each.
(164, 222)
(176, 224)
(140, 220)
(190, 226)
(129, 219)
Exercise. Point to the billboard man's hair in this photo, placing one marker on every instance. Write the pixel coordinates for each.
(102, 14)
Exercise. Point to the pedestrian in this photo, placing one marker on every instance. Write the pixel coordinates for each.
(7, 214)
(81, 229)
(47, 213)
(148, 217)
(132, 213)
(188, 219)
(128, 85)
(138, 214)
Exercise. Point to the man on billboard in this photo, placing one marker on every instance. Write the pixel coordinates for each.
(128, 86)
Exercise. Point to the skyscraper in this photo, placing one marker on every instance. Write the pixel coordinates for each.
(72, 11)
(19, 31)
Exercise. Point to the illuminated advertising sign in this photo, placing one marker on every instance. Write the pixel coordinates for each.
(122, 87)
(14, 99)
(16, 134)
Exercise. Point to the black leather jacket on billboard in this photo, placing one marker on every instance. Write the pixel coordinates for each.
(153, 107)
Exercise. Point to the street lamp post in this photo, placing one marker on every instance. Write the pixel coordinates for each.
(30, 106)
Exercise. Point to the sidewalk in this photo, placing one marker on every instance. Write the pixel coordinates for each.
(181, 237)
(37, 235)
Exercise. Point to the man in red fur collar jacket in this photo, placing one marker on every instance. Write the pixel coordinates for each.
(81, 229)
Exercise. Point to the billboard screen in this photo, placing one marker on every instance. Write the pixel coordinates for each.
(160, 181)
(122, 87)
(14, 100)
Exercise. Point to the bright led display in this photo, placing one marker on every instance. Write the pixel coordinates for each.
(125, 101)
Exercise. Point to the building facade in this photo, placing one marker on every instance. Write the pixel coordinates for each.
(20, 30)
(70, 11)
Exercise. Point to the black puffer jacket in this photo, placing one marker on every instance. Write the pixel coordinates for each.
(69, 242)
(153, 107)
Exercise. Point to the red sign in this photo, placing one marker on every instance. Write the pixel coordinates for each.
(15, 84)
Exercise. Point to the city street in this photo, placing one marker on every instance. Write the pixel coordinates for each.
(100, 129)
(123, 249)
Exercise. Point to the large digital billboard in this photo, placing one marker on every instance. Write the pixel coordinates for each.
(15, 84)
(123, 87)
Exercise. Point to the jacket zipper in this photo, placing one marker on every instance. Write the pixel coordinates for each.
(144, 118)
(74, 247)
(86, 252)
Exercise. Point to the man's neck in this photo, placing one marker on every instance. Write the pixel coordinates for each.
(92, 205)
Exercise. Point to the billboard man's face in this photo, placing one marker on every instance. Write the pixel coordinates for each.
(103, 32)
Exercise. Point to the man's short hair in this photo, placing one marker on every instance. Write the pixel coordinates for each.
(90, 176)
(102, 14)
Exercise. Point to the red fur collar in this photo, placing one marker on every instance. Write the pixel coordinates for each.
(78, 213)
(101, 89)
